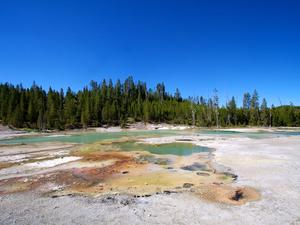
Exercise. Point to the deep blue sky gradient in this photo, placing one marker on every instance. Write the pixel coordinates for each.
(234, 46)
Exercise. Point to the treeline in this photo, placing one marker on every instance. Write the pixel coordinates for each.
(106, 103)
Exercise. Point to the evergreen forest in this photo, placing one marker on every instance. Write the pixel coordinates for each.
(107, 104)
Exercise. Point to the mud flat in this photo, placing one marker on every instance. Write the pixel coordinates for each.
(194, 189)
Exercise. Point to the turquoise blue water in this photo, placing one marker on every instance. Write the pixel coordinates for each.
(181, 149)
(93, 137)
(86, 138)
(288, 133)
(254, 135)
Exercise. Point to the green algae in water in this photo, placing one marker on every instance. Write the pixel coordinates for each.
(180, 149)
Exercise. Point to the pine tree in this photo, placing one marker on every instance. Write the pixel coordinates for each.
(232, 112)
(53, 105)
(264, 115)
(246, 108)
(70, 108)
(254, 109)
(178, 95)
(85, 108)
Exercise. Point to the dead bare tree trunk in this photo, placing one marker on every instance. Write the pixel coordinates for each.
(216, 106)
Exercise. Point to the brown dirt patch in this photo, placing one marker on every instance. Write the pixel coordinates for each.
(228, 195)
(4, 165)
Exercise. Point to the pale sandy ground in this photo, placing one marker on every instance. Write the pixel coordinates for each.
(260, 129)
(142, 126)
(52, 154)
(251, 130)
(270, 165)
(6, 132)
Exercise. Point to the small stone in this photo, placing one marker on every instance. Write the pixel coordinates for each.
(237, 195)
(202, 174)
(187, 185)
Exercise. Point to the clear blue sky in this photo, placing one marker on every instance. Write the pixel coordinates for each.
(234, 46)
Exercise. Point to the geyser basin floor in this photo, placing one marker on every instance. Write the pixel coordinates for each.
(122, 166)
(120, 179)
